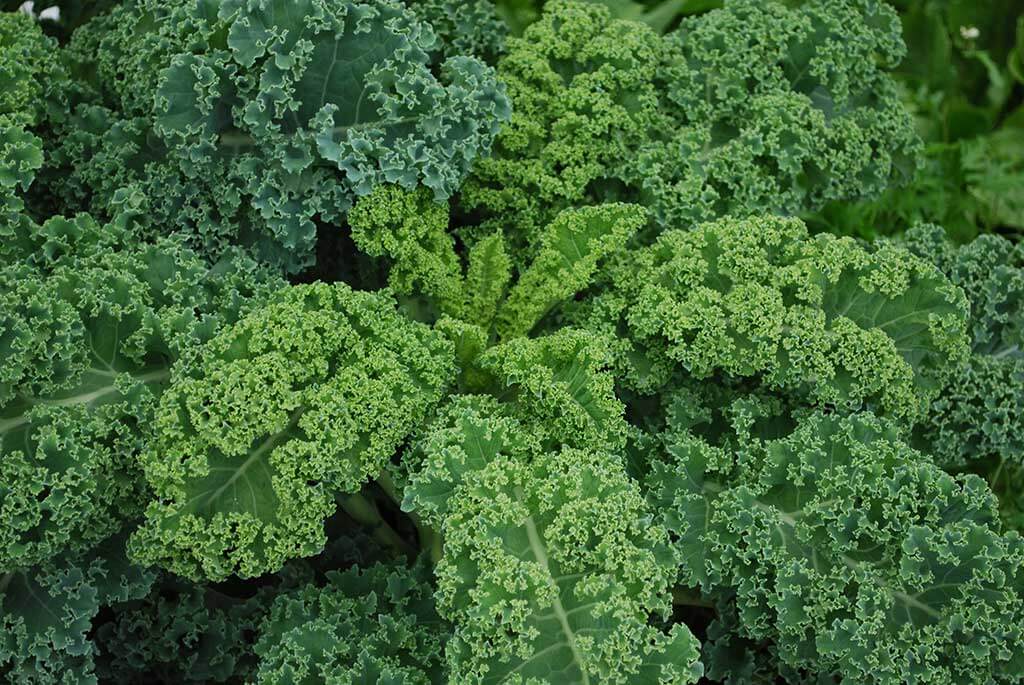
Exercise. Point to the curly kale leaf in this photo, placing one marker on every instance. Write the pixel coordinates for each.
(819, 317)
(977, 421)
(32, 83)
(464, 27)
(372, 625)
(413, 234)
(967, 186)
(750, 108)
(569, 251)
(977, 417)
(585, 92)
(270, 117)
(779, 109)
(560, 384)
(551, 570)
(31, 74)
(46, 612)
(731, 658)
(180, 633)
(304, 398)
(411, 230)
(88, 338)
(849, 551)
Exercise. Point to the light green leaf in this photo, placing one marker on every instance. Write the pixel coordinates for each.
(570, 249)
(306, 397)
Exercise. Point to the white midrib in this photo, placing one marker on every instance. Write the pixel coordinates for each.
(257, 454)
(1007, 352)
(234, 139)
(5, 581)
(909, 600)
(855, 565)
(537, 547)
(84, 398)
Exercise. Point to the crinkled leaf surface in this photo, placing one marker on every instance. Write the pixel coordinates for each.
(304, 398)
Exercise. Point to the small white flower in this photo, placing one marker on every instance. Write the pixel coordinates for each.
(29, 8)
(970, 32)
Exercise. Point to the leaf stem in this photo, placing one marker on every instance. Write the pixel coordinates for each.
(365, 512)
(430, 539)
(388, 486)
